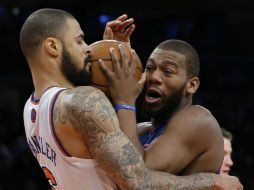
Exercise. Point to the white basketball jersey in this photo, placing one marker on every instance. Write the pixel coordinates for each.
(62, 171)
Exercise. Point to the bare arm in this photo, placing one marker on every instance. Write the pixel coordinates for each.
(125, 123)
(92, 115)
(118, 89)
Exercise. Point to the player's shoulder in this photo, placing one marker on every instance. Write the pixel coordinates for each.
(81, 92)
(197, 112)
(85, 90)
(203, 112)
(204, 118)
(198, 109)
(195, 121)
(198, 117)
(78, 96)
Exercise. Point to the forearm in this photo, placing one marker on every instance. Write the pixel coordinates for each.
(154, 180)
(166, 181)
(128, 170)
(128, 124)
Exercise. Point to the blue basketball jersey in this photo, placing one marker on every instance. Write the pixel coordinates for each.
(148, 137)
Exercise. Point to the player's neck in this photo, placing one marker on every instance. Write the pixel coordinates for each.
(44, 80)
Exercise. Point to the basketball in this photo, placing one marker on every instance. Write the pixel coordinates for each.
(100, 50)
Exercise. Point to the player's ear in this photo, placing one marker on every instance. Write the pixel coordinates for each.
(53, 46)
(192, 85)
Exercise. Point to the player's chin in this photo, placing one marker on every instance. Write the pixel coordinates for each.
(151, 106)
(153, 109)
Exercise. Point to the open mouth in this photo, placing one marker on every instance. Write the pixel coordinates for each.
(153, 96)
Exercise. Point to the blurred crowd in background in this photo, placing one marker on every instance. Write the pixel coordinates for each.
(221, 32)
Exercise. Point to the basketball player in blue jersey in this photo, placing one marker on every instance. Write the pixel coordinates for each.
(181, 138)
(73, 130)
(187, 137)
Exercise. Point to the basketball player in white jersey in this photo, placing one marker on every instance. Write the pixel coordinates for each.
(73, 131)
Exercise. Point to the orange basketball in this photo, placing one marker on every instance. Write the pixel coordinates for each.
(100, 50)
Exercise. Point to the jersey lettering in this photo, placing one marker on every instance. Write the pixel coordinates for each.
(38, 145)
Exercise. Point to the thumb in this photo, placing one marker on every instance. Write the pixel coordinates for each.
(142, 81)
(110, 34)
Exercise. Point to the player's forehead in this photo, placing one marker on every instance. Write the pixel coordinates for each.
(168, 56)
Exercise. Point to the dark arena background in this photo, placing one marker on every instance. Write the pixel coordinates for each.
(221, 31)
